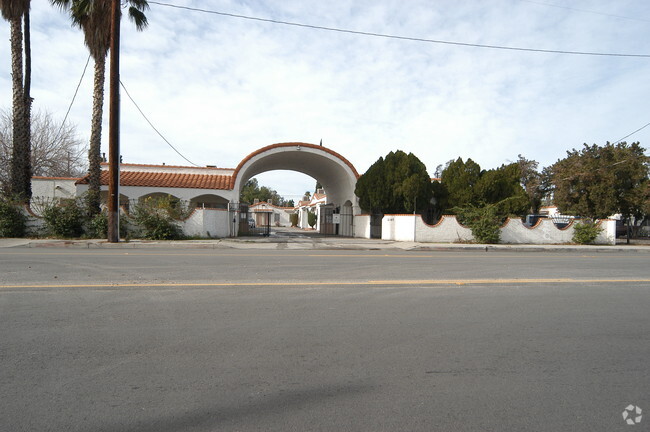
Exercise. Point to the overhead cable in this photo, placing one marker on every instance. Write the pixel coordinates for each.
(74, 96)
(629, 135)
(153, 127)
(405, 38)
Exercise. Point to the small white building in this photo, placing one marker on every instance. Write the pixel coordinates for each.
(262, 213)
(313, 205)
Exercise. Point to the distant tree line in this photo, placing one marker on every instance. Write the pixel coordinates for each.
(253, 191)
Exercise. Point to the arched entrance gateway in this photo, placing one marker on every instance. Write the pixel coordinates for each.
(335, 173)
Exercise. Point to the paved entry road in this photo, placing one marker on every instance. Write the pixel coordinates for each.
(198, 340)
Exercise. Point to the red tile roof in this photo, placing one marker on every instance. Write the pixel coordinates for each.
(171, 180)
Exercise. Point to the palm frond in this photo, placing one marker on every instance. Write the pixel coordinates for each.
(138, 18)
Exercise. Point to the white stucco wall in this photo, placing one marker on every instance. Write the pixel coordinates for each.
(337, 176)
(362, 226)
(448, 230)
(545, 232)
(398, 227)
(608, 234)
(413, 228)
(206, 223)
(52, 188)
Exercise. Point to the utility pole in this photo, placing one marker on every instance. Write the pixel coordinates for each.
(114, 128)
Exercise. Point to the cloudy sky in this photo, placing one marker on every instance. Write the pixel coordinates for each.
(219, 87)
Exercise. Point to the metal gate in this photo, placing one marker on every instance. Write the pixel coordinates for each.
(327, 220)
(259, 223)
(335, 222)
(375, 225)
(242, 223)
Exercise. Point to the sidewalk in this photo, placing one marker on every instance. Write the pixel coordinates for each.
(311, 243)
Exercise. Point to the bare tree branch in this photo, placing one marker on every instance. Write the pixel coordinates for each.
(57, 151)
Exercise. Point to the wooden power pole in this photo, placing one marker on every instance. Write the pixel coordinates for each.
(114, 128)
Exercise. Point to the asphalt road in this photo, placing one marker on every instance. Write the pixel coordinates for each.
(194, 340)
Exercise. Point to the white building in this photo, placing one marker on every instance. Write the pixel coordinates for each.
(212, 188)
(263, 213)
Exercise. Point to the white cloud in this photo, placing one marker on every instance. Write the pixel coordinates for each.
(220, 87)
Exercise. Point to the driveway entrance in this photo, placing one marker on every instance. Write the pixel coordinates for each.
(335, 173)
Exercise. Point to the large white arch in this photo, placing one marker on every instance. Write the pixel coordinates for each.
(337, 175)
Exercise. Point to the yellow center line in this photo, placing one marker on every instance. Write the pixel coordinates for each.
(428, 282)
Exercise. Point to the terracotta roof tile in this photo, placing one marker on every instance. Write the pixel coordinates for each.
(171, 180)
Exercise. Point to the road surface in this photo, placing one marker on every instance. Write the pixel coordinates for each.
(207, 340)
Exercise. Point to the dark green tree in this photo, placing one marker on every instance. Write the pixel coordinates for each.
(599, 181)
(397, 184)
(311, 218)
(439, 201)
(469, 186)
(460, 179)
(502, 187)
(532, 182)
(252, 191)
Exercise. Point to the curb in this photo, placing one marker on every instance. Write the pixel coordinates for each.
(311, 244)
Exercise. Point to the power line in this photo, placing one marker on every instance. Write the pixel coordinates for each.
(629, 135)
(74, 96)
(585, 11)
(153, 127)
(405, 38)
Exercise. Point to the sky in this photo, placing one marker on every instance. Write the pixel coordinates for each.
(219, 87)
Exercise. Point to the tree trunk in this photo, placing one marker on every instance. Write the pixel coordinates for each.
(94, 149)
(17, 182)
(27, 153)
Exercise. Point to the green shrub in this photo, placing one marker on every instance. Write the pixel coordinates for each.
(294, 219)
(311, 219)
(97, 226)
(64, 218)
(585, 232)
(156, 216)
(485, 222)
(13, 222)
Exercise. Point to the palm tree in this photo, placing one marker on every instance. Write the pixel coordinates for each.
(14, 11)
(94, 18)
